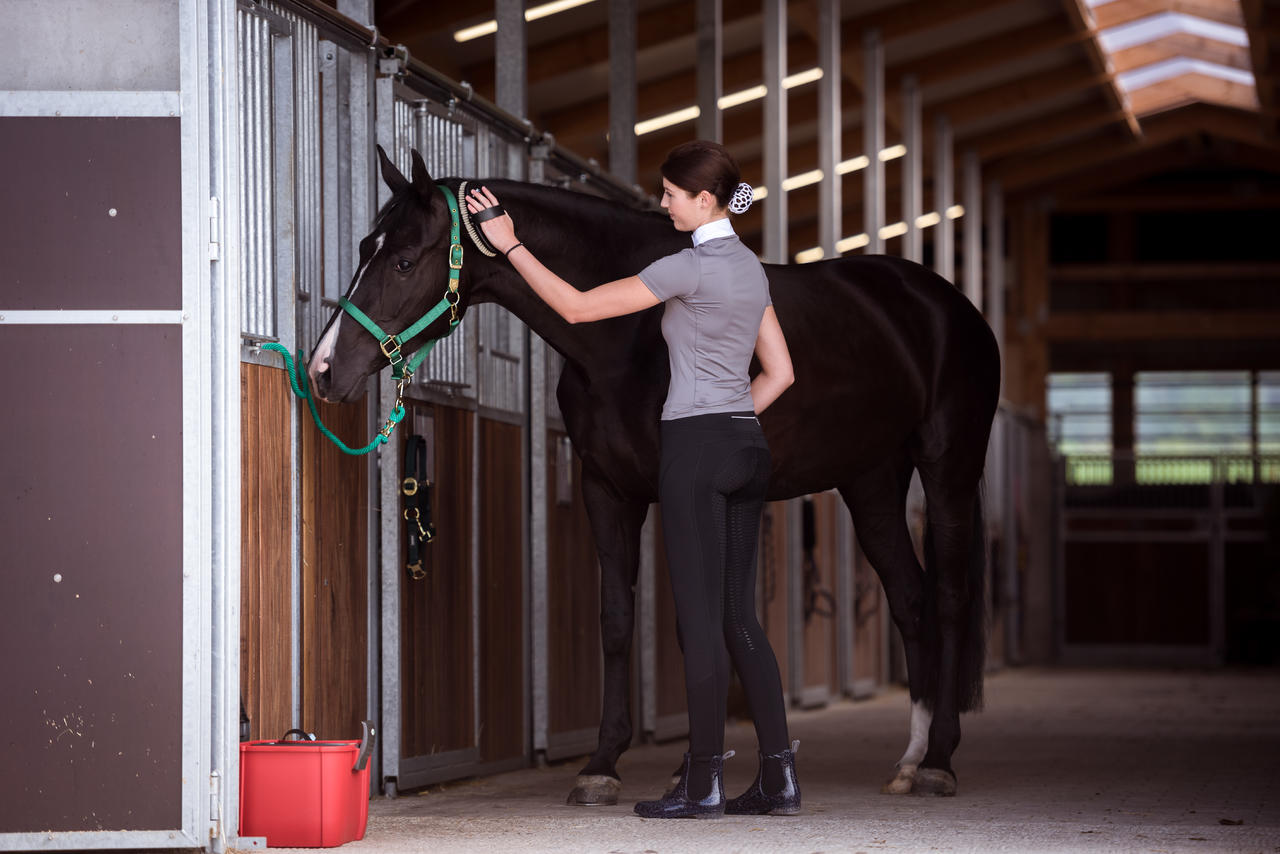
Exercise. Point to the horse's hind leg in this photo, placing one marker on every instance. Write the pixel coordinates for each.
(877, 502)
(955, 556)
(615, 525)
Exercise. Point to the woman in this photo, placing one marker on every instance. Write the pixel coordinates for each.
(715, 462)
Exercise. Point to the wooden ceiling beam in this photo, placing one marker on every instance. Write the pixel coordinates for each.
(1018, 93)
(1123, 11)
(1181, 44)
(1257, 19)
(1023, 174)
(992, 52)
(1044, 131)
(1083, 21)
(1190, 88)
(911, 17)
(1159, 325)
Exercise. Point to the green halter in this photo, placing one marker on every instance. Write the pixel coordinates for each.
(401, 370)
(391, 344)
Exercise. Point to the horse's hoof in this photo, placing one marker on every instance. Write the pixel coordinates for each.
(595, 790)
(935, 782)
(902, 782)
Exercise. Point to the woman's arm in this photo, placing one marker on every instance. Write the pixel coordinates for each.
(776, 374)
(622, 296)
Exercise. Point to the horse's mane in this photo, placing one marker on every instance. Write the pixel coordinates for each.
(585, 238)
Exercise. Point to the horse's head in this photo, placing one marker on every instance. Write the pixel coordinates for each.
(403, 273)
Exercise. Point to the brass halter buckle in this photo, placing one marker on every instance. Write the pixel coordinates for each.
(409, 486)
(455, 256)
(393, 350)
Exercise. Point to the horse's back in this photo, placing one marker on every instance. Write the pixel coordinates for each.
(878, 344)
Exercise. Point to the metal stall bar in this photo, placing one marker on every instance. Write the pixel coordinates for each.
(912, 170)
(944, 252)
(973, 228)
(829, 127)
(873, 194)
(710, 74)
(775, 131)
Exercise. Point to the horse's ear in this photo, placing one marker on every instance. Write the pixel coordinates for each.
(421, 178)
(390, 173)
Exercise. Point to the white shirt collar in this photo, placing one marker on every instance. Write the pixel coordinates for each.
(712, 230)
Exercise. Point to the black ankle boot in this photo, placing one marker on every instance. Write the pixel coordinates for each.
(754, 801)
(678, 804)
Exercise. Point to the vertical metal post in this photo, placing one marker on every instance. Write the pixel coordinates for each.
(846, 601)
(873, 139)
(710, 76)
(944, 252)
(912, 170)
(775, 130)
(360, 11)
(973, 228)
(829, 125)
(794, 515)
(622, 89)
(511, 57)
(647, 626)
(539, 612)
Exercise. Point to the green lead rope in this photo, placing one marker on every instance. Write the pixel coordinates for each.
(303, 390)
(401, 371)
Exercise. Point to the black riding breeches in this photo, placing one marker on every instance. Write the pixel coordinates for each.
(715, 469)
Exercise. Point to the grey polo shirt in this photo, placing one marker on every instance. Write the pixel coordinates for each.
(715, 295)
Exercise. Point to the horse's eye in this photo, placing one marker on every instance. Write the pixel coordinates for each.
(404, 265)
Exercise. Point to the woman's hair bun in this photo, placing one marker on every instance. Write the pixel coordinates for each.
(742, 197)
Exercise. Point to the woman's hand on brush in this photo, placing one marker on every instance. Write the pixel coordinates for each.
(499, 231)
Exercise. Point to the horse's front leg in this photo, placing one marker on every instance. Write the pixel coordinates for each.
(616, 525)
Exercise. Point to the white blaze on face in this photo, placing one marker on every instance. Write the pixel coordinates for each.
(921, 718)
(324, 350)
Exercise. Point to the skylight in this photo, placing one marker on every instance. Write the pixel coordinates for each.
(1168, 58)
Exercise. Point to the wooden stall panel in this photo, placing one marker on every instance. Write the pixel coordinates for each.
(91, 621)
(502, 601)
(575, 680)
(437, 652)
(335, 506)
(1150, 593)
(821, 677)
(869, 612)
(266, 511)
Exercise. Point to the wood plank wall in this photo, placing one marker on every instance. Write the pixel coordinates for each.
(437, 653)
(335, 594)
(502, 601)
(575, 680)
(265, 534)
(820, 630)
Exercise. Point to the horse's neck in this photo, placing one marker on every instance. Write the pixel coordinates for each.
(585, 250)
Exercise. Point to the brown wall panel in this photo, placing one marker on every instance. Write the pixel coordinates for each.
(502, 609)
(266, 531)
(438, 711)
(91, 622)
(334, 575)
(1137, 593)
(573, 619)
(99, 223)
(868, 612)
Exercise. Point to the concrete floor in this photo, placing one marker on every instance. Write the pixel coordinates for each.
(1060, 760)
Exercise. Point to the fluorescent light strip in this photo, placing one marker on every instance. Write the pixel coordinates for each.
(853, 164)
(733, 99)
(888, 232)
(893, 152)
(490, 27)
(804, 179)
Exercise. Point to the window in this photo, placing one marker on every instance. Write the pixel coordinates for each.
(1080, 424)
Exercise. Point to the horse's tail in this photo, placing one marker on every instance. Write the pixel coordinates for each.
(973, 623)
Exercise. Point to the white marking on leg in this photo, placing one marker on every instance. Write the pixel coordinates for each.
(921, 718)
(324, 350)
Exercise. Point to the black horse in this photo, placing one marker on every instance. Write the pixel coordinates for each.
(895, 371)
